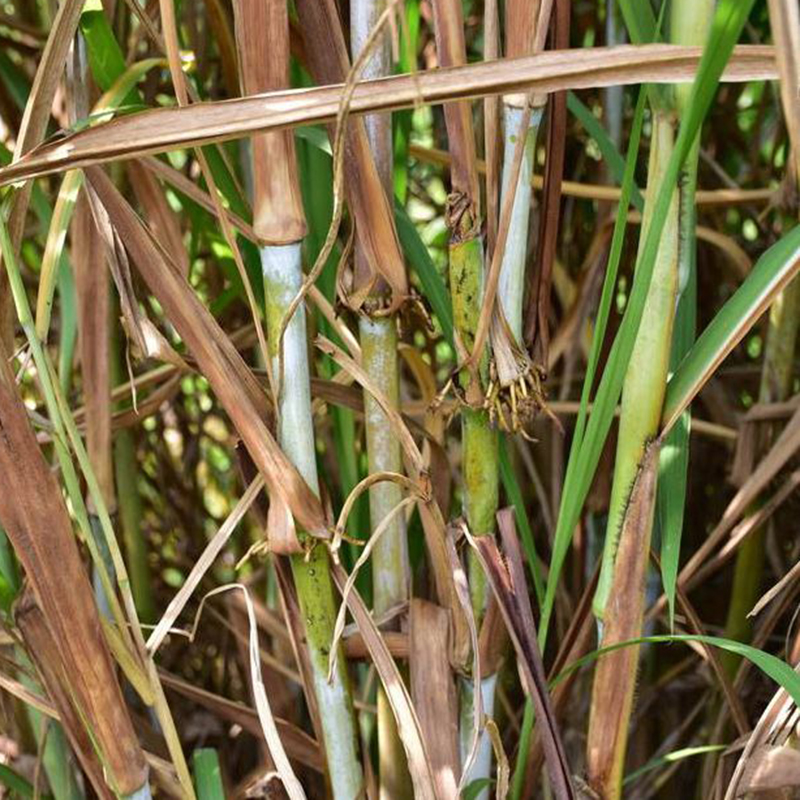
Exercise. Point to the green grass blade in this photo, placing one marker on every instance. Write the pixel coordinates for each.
(106, 60)
(14, 80)
(582, 461)
(674, 456)
(17, 785)
(729, 20)
(402, 120)
(769, 275)
(68, 328)
(421, 263)
(207, 774)
(614, 160)
(671, 758)
(639, 20)
(779, 671)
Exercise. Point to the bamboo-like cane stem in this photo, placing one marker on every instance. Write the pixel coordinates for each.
(480, 467)
(645, 383)
(283, 277)
(263, 38)
(620, 597)
(391, 578)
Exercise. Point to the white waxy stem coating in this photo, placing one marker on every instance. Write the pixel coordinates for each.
(283, 277)
(143, 793)
(482, 766)
(511, 288)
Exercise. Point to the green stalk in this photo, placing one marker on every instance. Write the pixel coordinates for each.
(480, 466)
(391, 575)
(283, 277)
(642, 402)
(646, 377)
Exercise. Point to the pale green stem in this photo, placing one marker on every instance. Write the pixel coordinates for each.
(391, 577)
(390, 569)
(646, 378)
(480, 469)
(283, 277)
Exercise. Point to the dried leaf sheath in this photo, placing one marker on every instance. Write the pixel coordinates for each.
(94, 300)
(329, 63)
(452, 52)
(36, 521)
(219, 361)
(45, 654)
(262, 38)
(521, 19)
(614, 680)
(159, 130)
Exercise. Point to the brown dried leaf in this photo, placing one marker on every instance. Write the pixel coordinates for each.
(299, 745)
(784, 18)
(770, 769)
(161, 219)
(507, 579)
(35, 518)
(278, 216)
(433, 691)
(537, 330)
(94, 320)
(160, 130)
(451, 48)
(45, 654)
(329, 64)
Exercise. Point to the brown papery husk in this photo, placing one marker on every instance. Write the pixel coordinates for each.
(433, 690)
(262, 37)
(615, 675)
(451, 49)
(45, 654)
(329, 63)
(521, 18)
(234, 384)
(161, 219)
(537, 329)
(94, 320)
(35, 518)
(161, 129)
